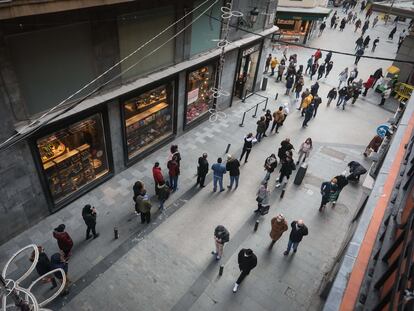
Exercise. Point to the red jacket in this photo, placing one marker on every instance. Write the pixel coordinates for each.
(173, 168)
(64, 241)
(158, 177)
(318, 55)
(368, 84)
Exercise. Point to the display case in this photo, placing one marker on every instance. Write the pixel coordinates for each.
(148, 119)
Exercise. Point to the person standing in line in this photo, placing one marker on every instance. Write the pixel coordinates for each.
(278, 118)
(262, 197)
(315, 89)
(279, 226)
(328, 68)
(352, 75)
(285, 146)
(316, 102)
(341, 182)
(221, 236)
(280, 70)
(273, 64)
(143, 206)
(393, 31)
(343, 23)
(233, 167)
(341, 96)
(331, 96)
(43, 266)
(298, 87)
(173, 173)
(218, 173)
(328, 189)
(270, 166)
(157, 175)
(343, 76)
(65, 242)
(309, 64)
(288, 166)
(374, 44)
(377, 75)
(385, 95)
(289, 84)
(368, 84)
(359, 42)
(321, 71)
(357, 24)
(163, 194)
(308, 115)
(267, 64)
(247, 262)
(268, 119)
(202, 170)
(375, 21)
(247, 147)
(304, 150)
(89, 216)
(359, 53)
(58, 261)
(299, 230)
(321, 28)
(261, 128)
(314, 69)
(366, 41)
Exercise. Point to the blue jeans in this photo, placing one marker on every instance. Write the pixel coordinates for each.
(259, 136)
(234, 179)
(219, 180)
(174, 182)
(162, 204)
(340, 100)
(290, 244)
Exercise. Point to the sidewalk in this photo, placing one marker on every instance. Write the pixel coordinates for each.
(176, 266)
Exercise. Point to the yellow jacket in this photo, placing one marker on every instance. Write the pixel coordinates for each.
(274, 62)
(307, 101)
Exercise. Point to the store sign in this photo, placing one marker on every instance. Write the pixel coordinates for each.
(250, 50)
(192, 96)
(285, 22)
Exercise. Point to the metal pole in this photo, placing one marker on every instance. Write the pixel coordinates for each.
(256, 225)
(264, 109)
(277, 94)
(244, 115)
(255, 112)
(19, 302)
(221, 270)
(228, 148)
(389, 12)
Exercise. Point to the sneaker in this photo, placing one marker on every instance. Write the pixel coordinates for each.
(96, 235)
(286, 253)
(235, 287)
(277, 185)
(88, 237)
(213, 253)
(221, 190)
(295, 250)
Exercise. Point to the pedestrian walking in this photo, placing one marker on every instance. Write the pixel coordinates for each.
(368, 84)
(43, 266)
(365, 27)
(289, 84)
(306, 103)
(328, 57)
(331, 95)
(328, 190)
(385, 95)
(247, 146)
(221, 237)
(173, 172)
(321, 71)
(309, 64)
(262, 198)
(89, 217)
(328, 68)
(349, 17)
(314, 89)
(391, 35)
(359, 53)
(247, 262)
(343, 76)
(308, 115)
(375, 44)
(359, 43)
(333, 18)
(341, 182)
(373, 145)
(357, 24)
(285, 146)
(363, 5)
(299, 230)
(59, 261)
(280, 70)
(163, 194)
(317, 55)
(267, 64)
(304, 150)
(352, 75)
(278, 227)
(341, 95)
(377, 75)
(288, 166)
(269, 166)
(64, 241)
(285, 52)
(314, 69)
(218, 173)
(278, 117)
(343, 23)
(233, 167)
(285, 112)
(316, 102)
(268, 119)
(356, 91)
(273, 64)
(321, 28)
(336, 22)
(354, 18)
(143, 206)
(202, 170)
(298, 87)
(366, 41)
(375, 21)
(157, 175)
(401, 37)
(261, 128)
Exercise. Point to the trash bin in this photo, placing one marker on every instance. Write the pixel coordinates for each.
(264, 83)
(300, 174)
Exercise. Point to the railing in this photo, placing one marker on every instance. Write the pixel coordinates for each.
(255, 112)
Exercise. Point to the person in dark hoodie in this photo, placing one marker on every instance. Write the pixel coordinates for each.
(143, 206)
(233, 167)
(299, 230)
(247, 147)
(321, 71)
(221, 236)
(247, 262)
(202, 170)
(89, 216)
(270, 166)
(285, 145)
(163, 194)
(288, 165)
(58, 261)
(268, 119)
(331, 96)
(43, 266)
(261, 128)
(341, 182)
(314, 89)
(64, 240)
(308, 114)
(328, 68)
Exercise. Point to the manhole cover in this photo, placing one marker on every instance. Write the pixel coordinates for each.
(290, 292)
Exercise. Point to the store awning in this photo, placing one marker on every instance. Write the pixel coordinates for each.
(315, 13)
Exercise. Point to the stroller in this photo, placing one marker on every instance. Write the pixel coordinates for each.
(356, 170)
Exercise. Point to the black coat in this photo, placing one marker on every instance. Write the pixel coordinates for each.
(248, 143)
(233, 167)
(202, 168)
(88, 216)
(328, 57)
(287, 168)
(246, 264)
(341, 181)
(296, 234)
(332, 94)
(43, 265)
(314, 89)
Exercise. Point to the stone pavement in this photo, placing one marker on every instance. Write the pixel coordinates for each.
(164, 266)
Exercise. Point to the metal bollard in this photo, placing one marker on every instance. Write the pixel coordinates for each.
(228, 148)
(255, 112)
(221, 270)
(116, 233)
(256, 225)
(277, 94)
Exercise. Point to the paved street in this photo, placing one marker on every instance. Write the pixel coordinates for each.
(168, 266)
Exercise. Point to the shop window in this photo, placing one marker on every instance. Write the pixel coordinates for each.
(199, 95)
(148, 119)
(74, 156)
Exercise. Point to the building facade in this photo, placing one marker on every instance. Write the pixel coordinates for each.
(51, 49)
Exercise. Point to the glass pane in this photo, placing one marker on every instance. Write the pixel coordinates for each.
(199, 95)
(74, 156)
(148, 119)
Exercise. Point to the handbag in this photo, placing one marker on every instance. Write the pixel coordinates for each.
(264, 210)
(259, 199)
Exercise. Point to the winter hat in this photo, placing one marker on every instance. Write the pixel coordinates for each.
(60, 228)
(249, 252)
